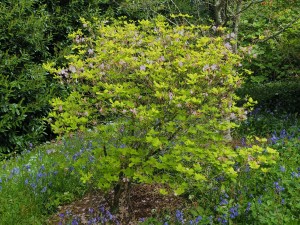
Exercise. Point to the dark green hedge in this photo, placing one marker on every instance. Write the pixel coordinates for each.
(278, 95)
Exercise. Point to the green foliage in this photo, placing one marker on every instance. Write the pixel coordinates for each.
(149, 9)
(273, 28)
(24, 87)
(32, 32)
(258, 197)
(268, 196)
(161, 96)
(283, 96)
(64, 19)
(34, 184)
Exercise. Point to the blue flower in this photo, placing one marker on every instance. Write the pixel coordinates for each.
(248, 207)
(259, 200)
(27, 167)
(15, 171)
(91, 158)
(196, 221)
(92, 221)
(68, 213)
(44, 189)
(295, 175)
(91, 210)
(243, 142)
(142, 219)
(179, 216)
(283, 133)
(33, 185)
(102, 209)
(109, 215)
(278, 187)
(75, 221)
(274, 138)
(40, 175)
(224, 201)
(234, 211)
(282, 168)
(55, 173)
(223, 220)
(76, 156)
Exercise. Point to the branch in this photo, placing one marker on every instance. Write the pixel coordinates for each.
(180, 11)
(280, 31)
(249, 5)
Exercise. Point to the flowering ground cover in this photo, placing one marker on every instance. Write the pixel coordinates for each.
(44, 185)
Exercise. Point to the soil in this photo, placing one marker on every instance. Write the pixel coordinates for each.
(145, 202)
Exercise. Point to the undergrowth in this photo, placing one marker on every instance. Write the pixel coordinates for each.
(34, 184)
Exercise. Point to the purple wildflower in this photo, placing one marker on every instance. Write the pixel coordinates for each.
(224, 201)
(91, 51)
(44, 189)
(206, 67)
(15, 171)
(214, 67)
(75, 221)
(283, 133)
(278, 187)
(259, 200)
(295, 175)
(234, 211)
(248, 207)
(92, 221)
(27, 167)
(282, 168)
(223, 220)
(228, 45)
(142, 67)
(179, 216)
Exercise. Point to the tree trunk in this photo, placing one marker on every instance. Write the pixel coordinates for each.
(121, 199)
(236, 22)
(218, 8)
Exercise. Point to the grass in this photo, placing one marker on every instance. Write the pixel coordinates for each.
(33, 185)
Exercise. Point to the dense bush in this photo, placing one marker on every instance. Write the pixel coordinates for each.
(161, 98)
(24, 88)
(272, 29)
(33, 32)
(282, 96)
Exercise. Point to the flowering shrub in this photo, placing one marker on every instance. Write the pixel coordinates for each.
(160, 97)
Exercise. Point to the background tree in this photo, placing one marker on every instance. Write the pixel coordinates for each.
(34, 32)
(24, 88)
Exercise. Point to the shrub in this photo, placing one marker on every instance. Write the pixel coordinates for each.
(281, 96)
(160, 98)
(24, 87)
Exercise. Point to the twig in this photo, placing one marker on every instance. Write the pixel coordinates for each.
(280, 31)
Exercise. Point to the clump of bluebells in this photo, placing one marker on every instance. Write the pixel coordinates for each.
(40, 180)
(178, 218)
(96, 216)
